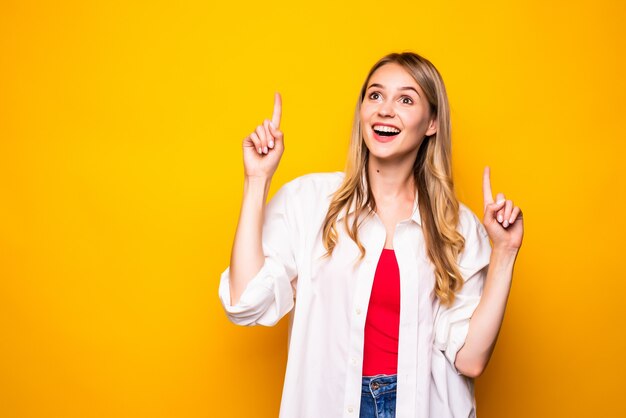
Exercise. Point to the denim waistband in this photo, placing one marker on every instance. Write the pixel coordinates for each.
(379, 384)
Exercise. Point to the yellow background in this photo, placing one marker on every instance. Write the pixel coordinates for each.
(121, 177)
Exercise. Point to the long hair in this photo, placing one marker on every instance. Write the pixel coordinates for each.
(432, 171)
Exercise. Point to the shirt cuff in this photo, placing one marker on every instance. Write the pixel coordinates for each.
(452, 329)
(457, 341)
(265, 300)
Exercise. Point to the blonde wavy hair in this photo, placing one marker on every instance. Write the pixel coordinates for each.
(438, 205)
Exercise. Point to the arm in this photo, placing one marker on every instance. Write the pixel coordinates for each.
(247, 256)
(487, 319)
(504, 224)
(257, 287)
(262, 151)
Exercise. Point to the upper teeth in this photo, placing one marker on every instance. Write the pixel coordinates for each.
(386, 128)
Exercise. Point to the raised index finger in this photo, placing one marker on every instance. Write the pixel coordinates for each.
(487, 195)
(278, 110)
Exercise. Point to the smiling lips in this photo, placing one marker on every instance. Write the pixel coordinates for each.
(384, 132)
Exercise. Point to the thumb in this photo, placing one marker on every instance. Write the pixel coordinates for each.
(492, 208)
(276, 133)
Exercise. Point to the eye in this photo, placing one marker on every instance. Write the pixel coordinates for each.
(407, 100)
(374, 95)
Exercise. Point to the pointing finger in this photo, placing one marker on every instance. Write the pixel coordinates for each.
(487, 195)
(278, 110)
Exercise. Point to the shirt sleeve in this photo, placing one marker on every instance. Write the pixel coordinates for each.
(452, 323)
(271, 292)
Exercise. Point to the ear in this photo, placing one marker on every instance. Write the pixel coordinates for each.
(432, 128)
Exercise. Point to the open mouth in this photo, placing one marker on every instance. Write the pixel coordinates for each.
(385, 132)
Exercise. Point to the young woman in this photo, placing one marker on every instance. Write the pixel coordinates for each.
(395, 292)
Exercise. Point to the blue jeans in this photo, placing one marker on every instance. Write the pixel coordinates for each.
(378, 396)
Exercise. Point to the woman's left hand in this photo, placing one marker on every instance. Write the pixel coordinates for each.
(502, 220)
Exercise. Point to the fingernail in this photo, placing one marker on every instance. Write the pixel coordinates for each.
(500, 218)
(265, 150)
(260, 150)
(505, 224)
(271, 144)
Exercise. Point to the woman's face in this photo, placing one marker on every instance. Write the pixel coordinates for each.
(395, 115)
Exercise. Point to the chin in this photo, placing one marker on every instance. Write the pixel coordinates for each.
(381, 148)
(382, 154)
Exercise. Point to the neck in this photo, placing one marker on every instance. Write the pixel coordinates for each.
(391, 180)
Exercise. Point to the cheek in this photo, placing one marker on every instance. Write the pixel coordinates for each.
(365, 116)
(365, 112)
(415, 121)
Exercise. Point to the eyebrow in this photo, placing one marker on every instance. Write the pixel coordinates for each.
(401, 88)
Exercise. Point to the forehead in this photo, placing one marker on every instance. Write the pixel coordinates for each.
(393, 76)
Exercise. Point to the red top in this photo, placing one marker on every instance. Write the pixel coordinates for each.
(380, 354)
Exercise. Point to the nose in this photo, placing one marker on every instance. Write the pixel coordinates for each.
(386, 109)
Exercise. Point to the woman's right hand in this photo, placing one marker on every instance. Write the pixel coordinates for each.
(263, 148)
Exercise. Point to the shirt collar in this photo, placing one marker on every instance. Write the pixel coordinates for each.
(415, 216)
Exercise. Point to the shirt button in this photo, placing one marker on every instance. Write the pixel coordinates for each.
(354, 361)
(358, 311)
(350, 409)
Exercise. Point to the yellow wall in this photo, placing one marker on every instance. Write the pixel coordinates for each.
(121, 174)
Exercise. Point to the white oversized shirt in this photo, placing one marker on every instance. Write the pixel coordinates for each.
(327, 299)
